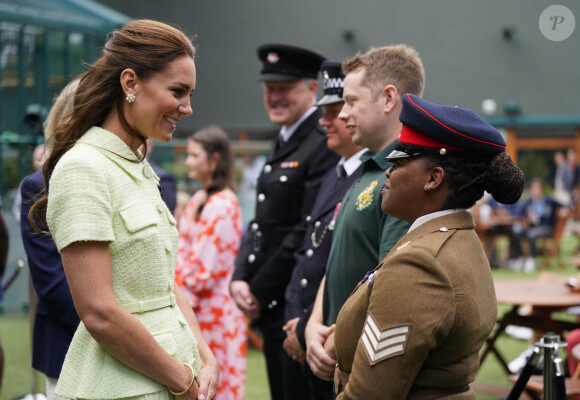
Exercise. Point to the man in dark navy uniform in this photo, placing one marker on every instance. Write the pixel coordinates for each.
(312, 257)
(286, 189)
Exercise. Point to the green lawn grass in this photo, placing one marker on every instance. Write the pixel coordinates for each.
(19, 378)
(257, 380)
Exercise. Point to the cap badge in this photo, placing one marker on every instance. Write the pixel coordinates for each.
(442, 151)
(333, 83)
(273, 58)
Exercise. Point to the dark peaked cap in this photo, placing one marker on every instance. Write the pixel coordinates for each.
(430, 128)
(282, 63)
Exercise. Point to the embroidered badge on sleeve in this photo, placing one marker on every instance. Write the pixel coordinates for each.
(382, 344)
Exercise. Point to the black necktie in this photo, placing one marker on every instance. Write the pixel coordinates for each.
(341, 175)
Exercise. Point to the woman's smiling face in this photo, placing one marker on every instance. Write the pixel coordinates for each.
(162, 99)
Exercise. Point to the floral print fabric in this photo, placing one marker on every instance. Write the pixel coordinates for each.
(206, 254)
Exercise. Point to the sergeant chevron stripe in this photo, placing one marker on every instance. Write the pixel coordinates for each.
(380, 345)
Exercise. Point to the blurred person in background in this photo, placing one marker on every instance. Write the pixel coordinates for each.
(56, 319)
(563, 179)
(210, 232)
(494, 220)
(572, 162)
(574, 190)
(38, 156)
(537, 219)
(287, 187)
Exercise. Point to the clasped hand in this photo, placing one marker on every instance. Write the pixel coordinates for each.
(291, 345)
(245, 300)
(320, 353)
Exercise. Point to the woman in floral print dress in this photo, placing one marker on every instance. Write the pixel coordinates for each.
(210, 232)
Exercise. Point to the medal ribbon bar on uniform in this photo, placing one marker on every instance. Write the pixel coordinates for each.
(289, 164)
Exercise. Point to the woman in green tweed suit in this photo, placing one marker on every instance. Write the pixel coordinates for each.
(138, 337)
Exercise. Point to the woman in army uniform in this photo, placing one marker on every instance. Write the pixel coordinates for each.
(414, 326)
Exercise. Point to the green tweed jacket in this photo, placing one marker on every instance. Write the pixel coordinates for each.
(97, 194)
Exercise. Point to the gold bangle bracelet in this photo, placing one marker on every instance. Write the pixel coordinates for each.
(193, 379)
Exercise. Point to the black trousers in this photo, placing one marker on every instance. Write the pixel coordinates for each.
(287, 382)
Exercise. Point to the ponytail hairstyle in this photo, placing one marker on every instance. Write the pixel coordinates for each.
(214, 140)
(145, 46)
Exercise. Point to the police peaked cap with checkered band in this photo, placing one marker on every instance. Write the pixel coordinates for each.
(430, 128)
(332, 82)
(283, 63)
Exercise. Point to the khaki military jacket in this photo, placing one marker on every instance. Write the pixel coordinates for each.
(414, 327)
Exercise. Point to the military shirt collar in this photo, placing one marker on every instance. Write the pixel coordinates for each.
(428, 217)
(114, 148)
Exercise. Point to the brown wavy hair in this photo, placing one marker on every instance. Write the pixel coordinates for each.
(146, 47)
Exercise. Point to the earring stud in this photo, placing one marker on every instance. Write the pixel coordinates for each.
(130, 98)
